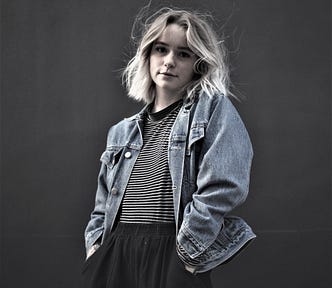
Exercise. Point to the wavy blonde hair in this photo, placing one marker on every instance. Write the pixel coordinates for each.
(211, 72)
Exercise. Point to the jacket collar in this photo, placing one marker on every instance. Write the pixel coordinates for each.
(140, 115)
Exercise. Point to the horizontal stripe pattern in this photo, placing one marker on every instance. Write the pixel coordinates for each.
(148, 197)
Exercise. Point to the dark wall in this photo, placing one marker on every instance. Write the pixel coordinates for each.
(61, 90)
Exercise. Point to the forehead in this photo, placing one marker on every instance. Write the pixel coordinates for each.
(174, 35)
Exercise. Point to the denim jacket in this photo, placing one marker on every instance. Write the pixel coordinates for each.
(209, 158)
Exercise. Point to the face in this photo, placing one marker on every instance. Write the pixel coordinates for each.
(171, 62)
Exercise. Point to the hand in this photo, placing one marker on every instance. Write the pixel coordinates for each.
(189, 269)
(92, 250)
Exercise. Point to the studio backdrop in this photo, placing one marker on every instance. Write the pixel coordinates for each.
(61, 91)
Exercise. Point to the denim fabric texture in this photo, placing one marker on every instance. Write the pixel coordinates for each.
(209, 155)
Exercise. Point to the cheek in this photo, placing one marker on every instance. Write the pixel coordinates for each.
(190, 72)
(151, 65)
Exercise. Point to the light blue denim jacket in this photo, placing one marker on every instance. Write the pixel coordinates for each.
(209, 157)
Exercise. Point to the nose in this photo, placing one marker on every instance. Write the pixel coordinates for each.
(169, 60)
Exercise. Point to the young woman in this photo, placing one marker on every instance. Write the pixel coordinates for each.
(171, 174)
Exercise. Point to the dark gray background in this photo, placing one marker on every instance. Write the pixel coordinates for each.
(61, 91)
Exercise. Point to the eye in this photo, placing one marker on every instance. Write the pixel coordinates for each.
(184, 54)
(160, 49)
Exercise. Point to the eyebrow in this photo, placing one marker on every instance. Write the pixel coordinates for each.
(180, 47)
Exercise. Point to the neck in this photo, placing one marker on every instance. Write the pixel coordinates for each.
(162, 101)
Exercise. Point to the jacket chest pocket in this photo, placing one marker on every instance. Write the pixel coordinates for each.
(197, 132)
(111, 157)
(192, 159)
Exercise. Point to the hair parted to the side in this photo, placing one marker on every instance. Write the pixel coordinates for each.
(211, 72)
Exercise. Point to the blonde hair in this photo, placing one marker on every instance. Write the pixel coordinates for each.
(211, 72)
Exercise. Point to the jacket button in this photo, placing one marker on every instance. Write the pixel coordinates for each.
(127, 155)
(114, 191)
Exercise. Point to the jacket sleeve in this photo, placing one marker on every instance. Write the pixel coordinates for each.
(95, 227)
(222, 179)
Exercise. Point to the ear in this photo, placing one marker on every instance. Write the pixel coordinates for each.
(201, 67)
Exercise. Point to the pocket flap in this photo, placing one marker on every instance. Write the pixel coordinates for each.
(196, 132)
(111, 156)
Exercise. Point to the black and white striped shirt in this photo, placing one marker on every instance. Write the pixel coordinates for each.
(148, 197)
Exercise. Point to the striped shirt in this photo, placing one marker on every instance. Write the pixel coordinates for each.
(149, 197)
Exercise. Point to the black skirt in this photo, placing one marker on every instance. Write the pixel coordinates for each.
(140, 256)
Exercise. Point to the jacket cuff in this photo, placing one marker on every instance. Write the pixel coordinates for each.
(189, 244)
(92, 238)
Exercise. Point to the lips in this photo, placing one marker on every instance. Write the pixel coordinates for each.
(167, 74)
